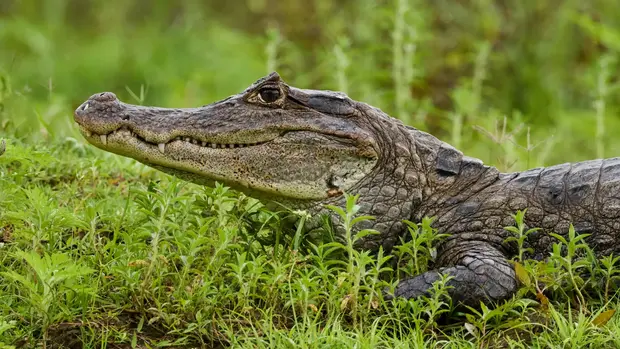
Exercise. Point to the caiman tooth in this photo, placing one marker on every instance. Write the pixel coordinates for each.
(88, 133)
(104, 139)
(213, 145)
(162, 147)
(204, 144)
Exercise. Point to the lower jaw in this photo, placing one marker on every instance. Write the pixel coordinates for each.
(170, 161)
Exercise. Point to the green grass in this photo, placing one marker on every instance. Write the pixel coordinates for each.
(99, 251)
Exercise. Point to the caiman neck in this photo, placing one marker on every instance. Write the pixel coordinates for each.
(397, 187)
(452, 178)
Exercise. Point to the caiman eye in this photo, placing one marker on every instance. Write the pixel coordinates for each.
(269, 94)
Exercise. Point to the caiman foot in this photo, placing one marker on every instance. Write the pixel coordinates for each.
(481, 274)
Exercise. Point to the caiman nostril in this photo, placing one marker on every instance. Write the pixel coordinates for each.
(104, 97)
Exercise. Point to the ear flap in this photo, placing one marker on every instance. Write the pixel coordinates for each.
(326, 102)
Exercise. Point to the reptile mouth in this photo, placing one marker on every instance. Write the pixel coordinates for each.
(125, 131)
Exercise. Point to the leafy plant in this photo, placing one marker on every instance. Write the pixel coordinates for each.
(54, 287)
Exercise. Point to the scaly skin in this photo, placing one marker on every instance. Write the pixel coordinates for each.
(304, 148)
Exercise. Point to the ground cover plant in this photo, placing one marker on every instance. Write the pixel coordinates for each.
(99, 251)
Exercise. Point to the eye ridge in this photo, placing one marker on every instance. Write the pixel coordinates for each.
(269, 94)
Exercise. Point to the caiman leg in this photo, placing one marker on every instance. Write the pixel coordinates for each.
(479, 272)
(476, 253)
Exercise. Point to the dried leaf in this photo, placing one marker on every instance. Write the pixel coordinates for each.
(345, 302)
(471, 329)
(603, 317)
(544, 301)
(522, 274)
(313, 308)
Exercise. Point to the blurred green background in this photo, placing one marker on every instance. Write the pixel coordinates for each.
(517, 83)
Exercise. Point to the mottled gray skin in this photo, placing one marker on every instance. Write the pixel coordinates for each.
(307, 147)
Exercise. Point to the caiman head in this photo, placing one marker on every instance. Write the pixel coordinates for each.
(272, 141)
(299, 148)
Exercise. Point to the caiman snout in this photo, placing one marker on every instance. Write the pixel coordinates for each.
(101, 113)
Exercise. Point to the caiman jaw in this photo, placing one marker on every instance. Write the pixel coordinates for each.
(125, 132)
(220, 142)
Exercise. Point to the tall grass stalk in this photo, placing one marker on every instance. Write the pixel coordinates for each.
(602, 91)
(271, 49)
(342, 64)
(403, 50)
(469, 96)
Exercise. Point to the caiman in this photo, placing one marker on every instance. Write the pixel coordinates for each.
(305, 148)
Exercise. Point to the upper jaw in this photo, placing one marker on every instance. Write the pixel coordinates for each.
(103, 115)
(123, 134)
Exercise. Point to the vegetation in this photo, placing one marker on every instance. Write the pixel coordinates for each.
(99, 251)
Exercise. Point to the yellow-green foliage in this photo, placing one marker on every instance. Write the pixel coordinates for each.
(97, 250)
